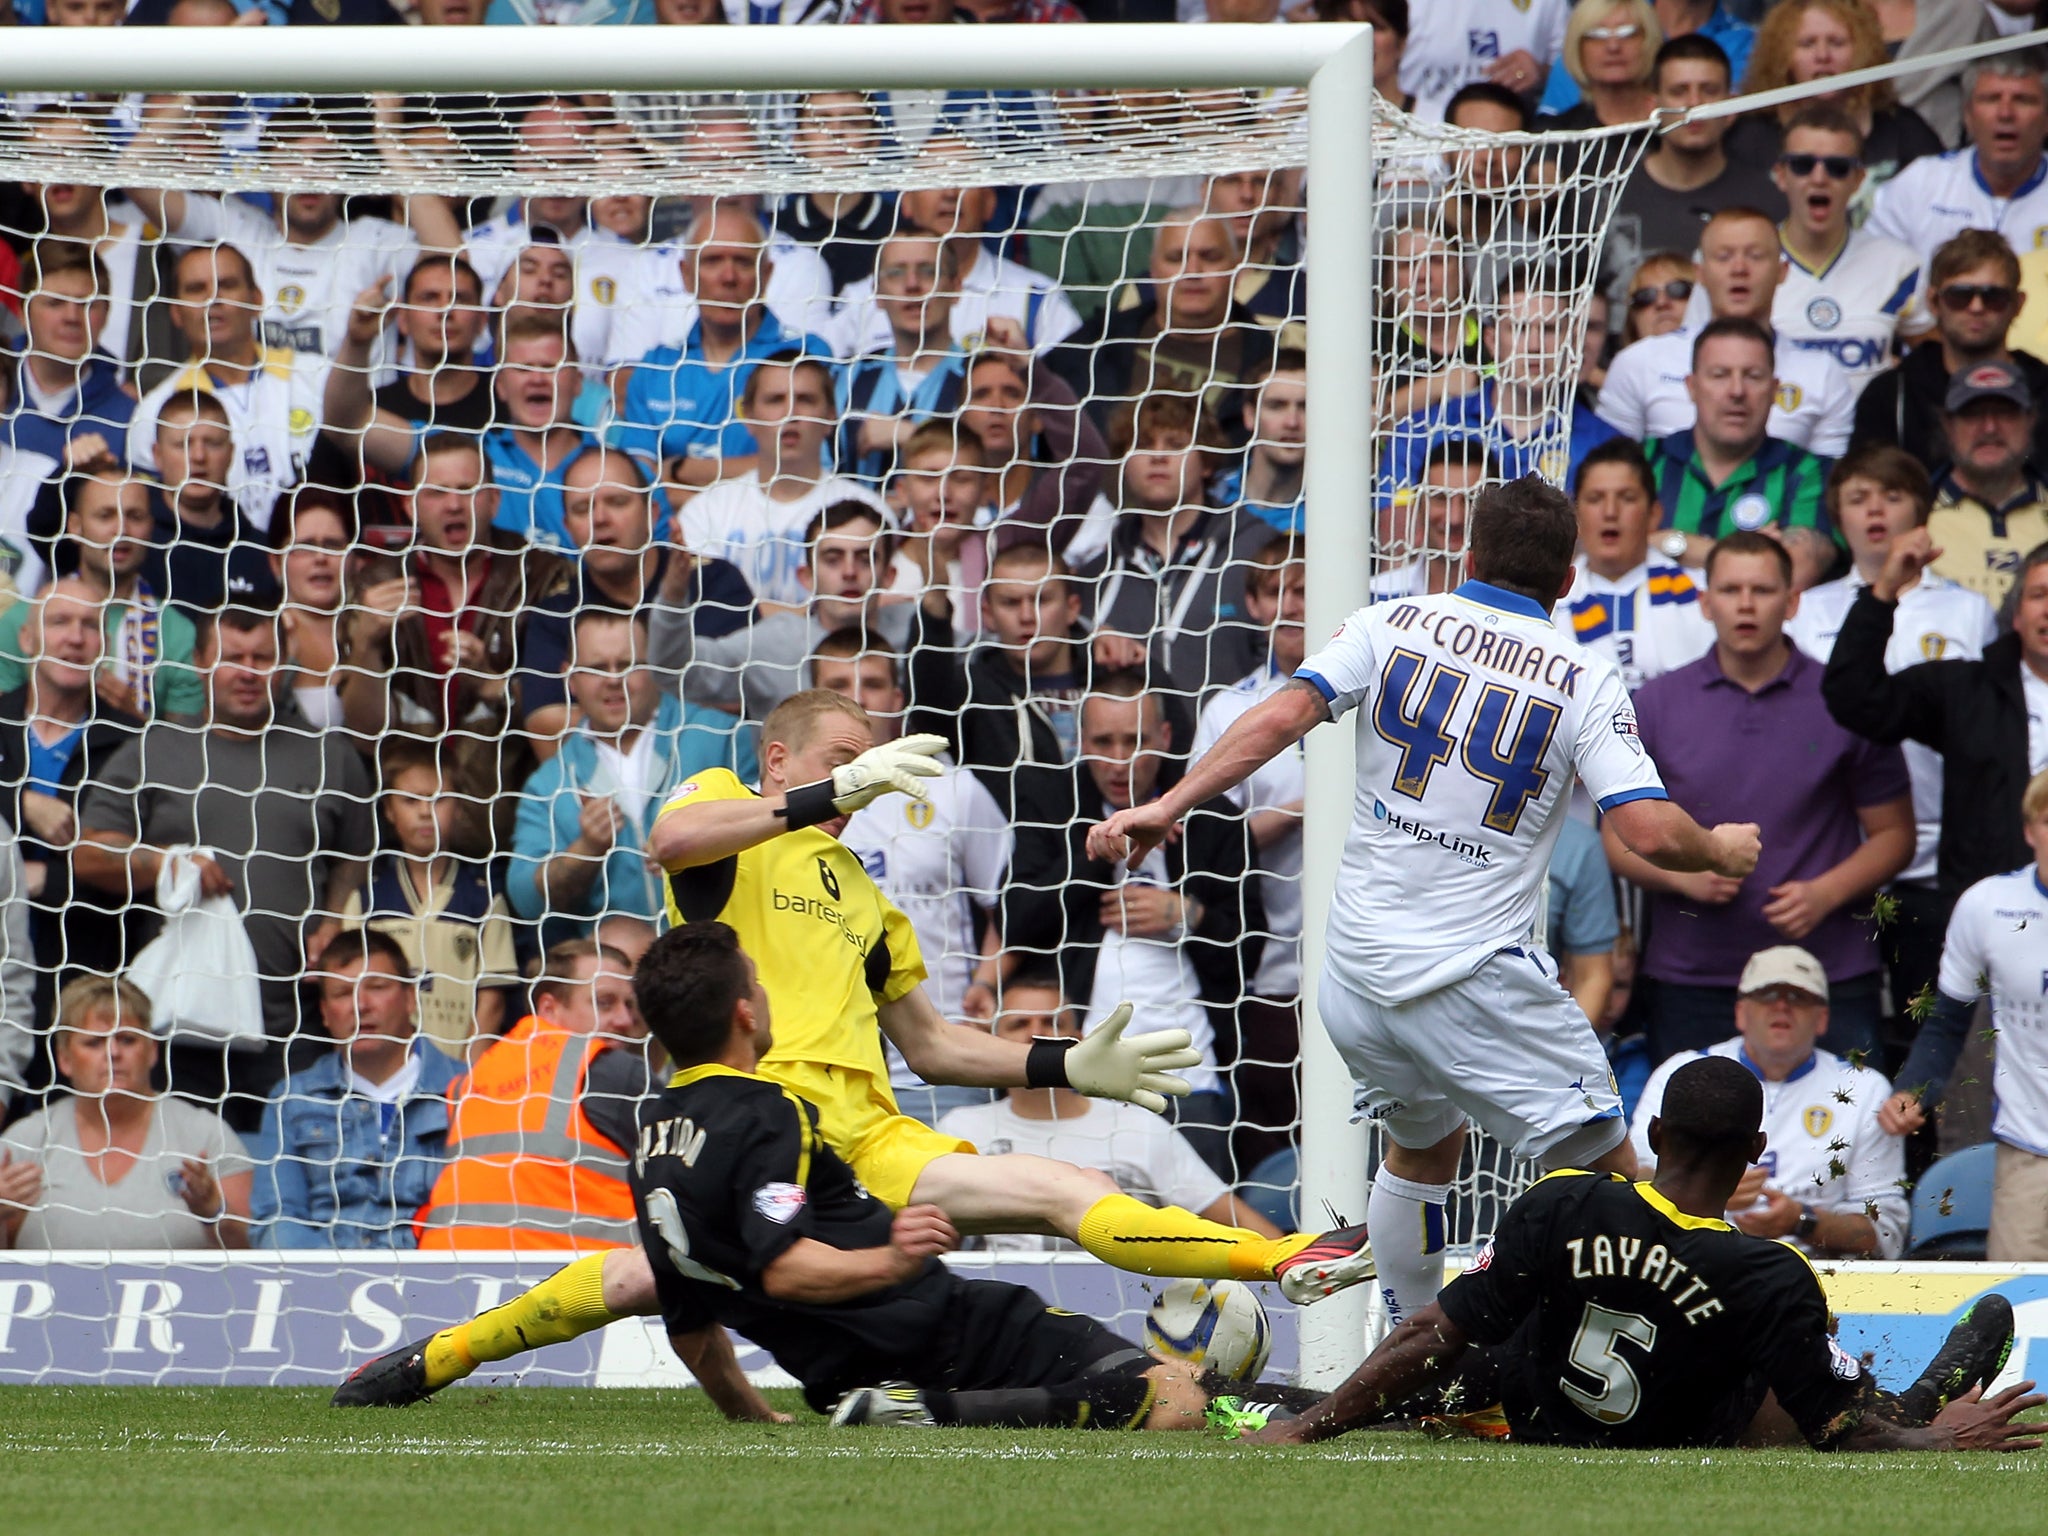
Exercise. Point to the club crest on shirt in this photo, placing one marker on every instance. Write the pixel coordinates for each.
(290, 297)
(1823, 314)
(604, 289)
(1751, 511)
(1790, 397)
(1933, 647)
(918, 813)
(1817, 1119)
(779, 1202)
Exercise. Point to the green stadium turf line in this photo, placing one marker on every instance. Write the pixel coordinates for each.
(215, 1462)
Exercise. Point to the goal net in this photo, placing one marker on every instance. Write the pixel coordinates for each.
(402, 496)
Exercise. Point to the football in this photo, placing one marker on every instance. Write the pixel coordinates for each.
(1216, 1323)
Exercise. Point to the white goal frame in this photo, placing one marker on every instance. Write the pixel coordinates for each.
(1332, 62)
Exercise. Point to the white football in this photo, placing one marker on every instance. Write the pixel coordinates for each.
(1219, 1324)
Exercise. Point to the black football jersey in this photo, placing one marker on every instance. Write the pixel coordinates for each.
(730, 1173)
(1632, 1324)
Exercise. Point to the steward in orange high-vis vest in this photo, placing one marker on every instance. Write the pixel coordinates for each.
(539, 1139)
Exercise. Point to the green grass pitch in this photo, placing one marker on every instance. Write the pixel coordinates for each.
(166, 1461)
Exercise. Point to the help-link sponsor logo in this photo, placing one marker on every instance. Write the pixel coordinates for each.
(1475, 854)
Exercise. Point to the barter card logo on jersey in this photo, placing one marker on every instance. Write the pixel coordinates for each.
(780, 1202)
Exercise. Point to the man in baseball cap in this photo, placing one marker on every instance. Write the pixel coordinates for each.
(1829, 1179)
(1989, 505)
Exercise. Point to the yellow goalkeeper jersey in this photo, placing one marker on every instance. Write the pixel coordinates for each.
(828, 944)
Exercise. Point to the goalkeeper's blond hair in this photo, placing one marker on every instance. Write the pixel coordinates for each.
(794, 721)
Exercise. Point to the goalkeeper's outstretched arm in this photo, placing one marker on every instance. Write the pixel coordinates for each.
(1105, 1065)
(1261, 734)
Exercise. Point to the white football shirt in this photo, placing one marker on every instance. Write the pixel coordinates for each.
(22, 476)
(1937, 620)
(994, 285)
(939, 861)
(1147, 1157)
(1826, 1148)
(1474, 717)
(1998, 943)
(1937, 197)
(1274, 785)
(737, 520)
(1853, 309)
(1644, 396)
(1646, 623)
(663, 310)
(1454, 42)
(273, 417)
(308, 290)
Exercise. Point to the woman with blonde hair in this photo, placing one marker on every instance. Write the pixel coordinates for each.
(117, 1164)
(1804, 40)
(1610, 52)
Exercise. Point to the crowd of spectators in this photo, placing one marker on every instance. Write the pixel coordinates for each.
(376, 569)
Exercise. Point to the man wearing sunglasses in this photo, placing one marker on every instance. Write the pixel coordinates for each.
(1999, 181)
(1846, 294)
(1973, 292)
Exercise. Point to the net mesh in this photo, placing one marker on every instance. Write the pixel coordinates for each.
(565, 437)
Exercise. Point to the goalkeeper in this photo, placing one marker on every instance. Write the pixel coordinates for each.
(836, 959)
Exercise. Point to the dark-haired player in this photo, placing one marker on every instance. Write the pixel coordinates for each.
(1632, 1316)
(752, 1222)
(1474, 717)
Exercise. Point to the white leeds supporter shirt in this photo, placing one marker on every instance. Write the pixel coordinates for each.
(273, 417)
(611, 277)
(1644, 396)
(1826, 1148)
(798, 293)
(1156, 977)
(1937, 620)
(1142, 1151)
(938, 861)
(1274, 785)
(308, 290)
(1454, 42)
(22, 476)
(1998, 942)
(994, 285)
(737, 520)
(1855, 308)
(1474, 714)
(1646, 623)
(1937, 197)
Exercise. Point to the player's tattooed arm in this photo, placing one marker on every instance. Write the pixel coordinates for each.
(1318, 703)
(1258, 736)
(1417, 1355)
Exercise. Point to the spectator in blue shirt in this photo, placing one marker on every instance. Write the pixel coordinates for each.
(535, 440)
(1584, 922)
(62, 387)
(679, 407)
(1511, 412)
(351, 1146)
(1267, 484)
(584, 816)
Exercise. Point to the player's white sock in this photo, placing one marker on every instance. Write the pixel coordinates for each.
(1406, 1221)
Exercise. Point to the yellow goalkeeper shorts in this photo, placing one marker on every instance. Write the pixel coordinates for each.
(858, 1117)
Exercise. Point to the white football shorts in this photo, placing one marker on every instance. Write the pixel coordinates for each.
(1506, 1048)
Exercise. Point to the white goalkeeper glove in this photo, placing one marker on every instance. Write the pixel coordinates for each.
(894, 766)
(1107, 1066)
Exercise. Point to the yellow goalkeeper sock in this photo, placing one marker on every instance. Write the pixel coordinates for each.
(566, 1305)
(1152, 1240)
